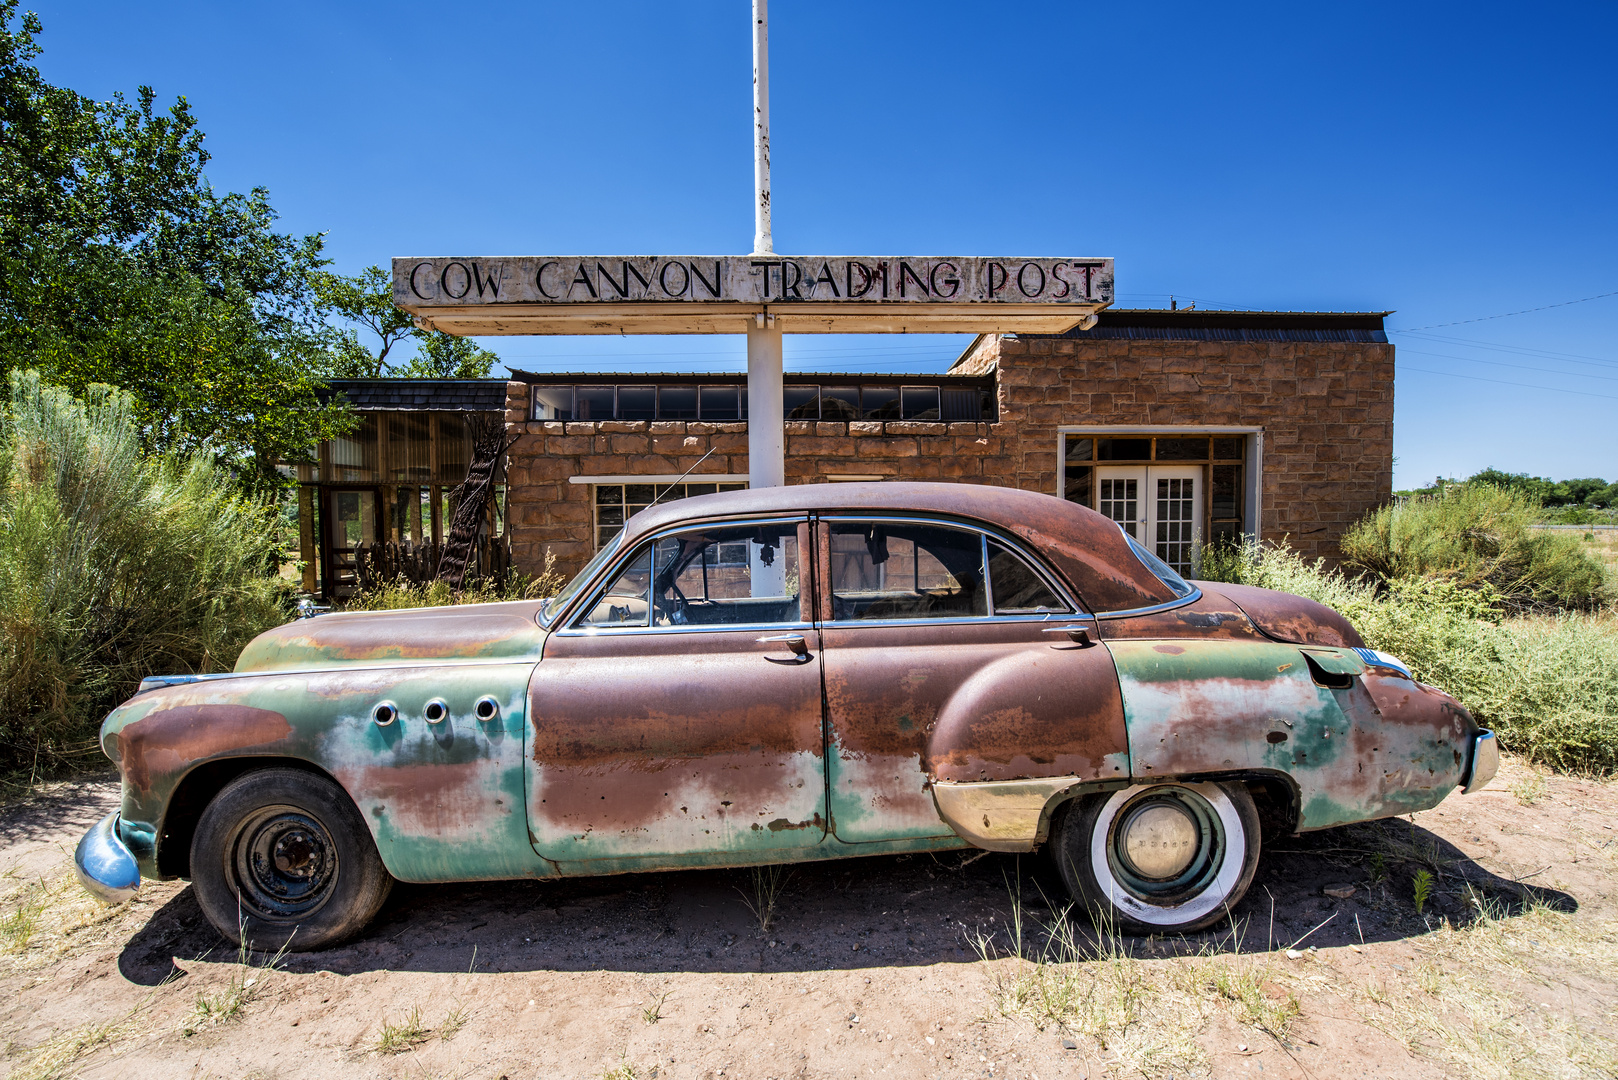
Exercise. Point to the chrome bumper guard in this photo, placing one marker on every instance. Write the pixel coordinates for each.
(104, 863)
(1485, 761)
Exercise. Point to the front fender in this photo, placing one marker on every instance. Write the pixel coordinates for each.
(442, 801)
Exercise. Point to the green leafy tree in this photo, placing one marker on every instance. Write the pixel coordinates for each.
(366, 301)
(120, 264)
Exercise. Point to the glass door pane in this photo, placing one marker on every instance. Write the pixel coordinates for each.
(1120, 492)
(1174, 514)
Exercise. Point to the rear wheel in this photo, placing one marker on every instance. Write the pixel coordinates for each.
(1160, 858)
(282, 857)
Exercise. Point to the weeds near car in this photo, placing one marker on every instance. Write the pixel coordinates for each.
(654, 1012)
(454, 1021)
(405, 1035)
(56, 1056)
(624, 1070)
(1528, 788)
(1421, 889)
(1466, 1015)
(763, 892)
(246, 981)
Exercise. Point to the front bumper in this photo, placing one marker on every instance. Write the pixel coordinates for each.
(104, 863)
(1485, 761)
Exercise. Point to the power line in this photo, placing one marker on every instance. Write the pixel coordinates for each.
(1509, 314)
(1502, 382)
(1519, 367)
(1549, 354)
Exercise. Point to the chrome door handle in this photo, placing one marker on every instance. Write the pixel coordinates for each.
(796, 642)
(1078, 635)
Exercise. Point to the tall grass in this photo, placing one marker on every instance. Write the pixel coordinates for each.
(1477, 534)
(113, 566)
(404, 593)
(1546, 684)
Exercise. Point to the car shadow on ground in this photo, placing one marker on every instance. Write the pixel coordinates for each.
(881, 911)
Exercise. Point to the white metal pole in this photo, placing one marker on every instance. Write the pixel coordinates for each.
(762, 241)
(766, 442)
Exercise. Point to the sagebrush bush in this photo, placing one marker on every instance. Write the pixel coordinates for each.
(1547, 685)
(1478, 534)
(113, 566)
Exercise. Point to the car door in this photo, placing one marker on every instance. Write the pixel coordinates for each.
(948, 657)
(676, 719)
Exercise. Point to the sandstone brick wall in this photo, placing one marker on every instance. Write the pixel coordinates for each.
(1326, 410)
(545, 511)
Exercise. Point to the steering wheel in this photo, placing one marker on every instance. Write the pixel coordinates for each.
(674, 610)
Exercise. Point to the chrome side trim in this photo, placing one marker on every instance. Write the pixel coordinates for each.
(1485, 762)
(104, 864)
(687, 628)
(1196, 594)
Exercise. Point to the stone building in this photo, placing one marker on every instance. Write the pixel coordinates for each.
(1182, 425)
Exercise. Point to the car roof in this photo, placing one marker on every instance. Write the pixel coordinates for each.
(1087, 548)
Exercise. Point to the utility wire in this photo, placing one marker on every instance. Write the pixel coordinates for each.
(1502, 382)
(1519, 367)
(1509, 314)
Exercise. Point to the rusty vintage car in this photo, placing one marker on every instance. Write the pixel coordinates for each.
(781, 675)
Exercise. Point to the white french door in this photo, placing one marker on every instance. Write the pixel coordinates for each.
(1159, 505)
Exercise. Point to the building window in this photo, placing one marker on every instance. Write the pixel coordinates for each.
(617, 503)
(973, 401)
(1170, 492)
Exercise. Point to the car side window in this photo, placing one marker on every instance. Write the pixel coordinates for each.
(1017, 588)
(897, 570)
(713, 576)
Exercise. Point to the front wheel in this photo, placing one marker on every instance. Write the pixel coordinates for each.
(282, 858)
(1164, 858)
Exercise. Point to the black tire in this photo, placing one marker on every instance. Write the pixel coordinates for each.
(1199, 844)
(282, 858)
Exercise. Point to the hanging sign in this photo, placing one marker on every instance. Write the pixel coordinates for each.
(724, 294)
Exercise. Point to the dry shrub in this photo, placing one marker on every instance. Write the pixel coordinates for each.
(1479, 535)
(403, 593)
(114, 565)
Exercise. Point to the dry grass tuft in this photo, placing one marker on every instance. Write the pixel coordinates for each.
(764, 887)
(1486, 1009)
(45, 919)
(247, 981)
(407, 1034)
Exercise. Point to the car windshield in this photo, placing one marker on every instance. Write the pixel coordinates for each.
(550, 608)
(1179, 586)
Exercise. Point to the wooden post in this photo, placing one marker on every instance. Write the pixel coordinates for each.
(306, 536)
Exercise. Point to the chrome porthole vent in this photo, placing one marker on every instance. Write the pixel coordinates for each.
(487, 708)
(385, 714)
(436, 711)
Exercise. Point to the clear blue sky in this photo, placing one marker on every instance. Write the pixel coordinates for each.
(1449, 162)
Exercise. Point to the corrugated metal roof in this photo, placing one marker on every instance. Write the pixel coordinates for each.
(421, 395)
(1353, 327)
(791, 378)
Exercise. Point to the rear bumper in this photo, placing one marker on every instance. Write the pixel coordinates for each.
(104, 863)
(1485, 761)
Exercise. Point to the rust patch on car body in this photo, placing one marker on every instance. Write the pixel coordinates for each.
(165, 741)
(1286, 617)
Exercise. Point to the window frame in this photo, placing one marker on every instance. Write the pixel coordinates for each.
(1053, 581)
(567, 623)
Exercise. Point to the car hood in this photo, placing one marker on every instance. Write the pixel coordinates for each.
(505, 631)
(1286, 617)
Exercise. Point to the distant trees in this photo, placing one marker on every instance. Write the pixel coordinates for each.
(1586, 491)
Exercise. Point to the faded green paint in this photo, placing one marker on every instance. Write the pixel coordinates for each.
(1375, 747)
(415, 636)
(443, 801)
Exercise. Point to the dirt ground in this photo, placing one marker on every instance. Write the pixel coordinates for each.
(893, 967)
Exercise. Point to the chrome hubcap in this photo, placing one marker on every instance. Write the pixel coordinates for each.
(1160, 840)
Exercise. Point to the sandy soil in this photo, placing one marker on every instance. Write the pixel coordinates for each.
(872, 967)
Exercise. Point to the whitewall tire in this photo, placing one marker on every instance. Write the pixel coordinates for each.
(1163, 858)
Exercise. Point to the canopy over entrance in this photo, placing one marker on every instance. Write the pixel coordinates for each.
(735, 294)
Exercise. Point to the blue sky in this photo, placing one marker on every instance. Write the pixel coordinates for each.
(1448, 162)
